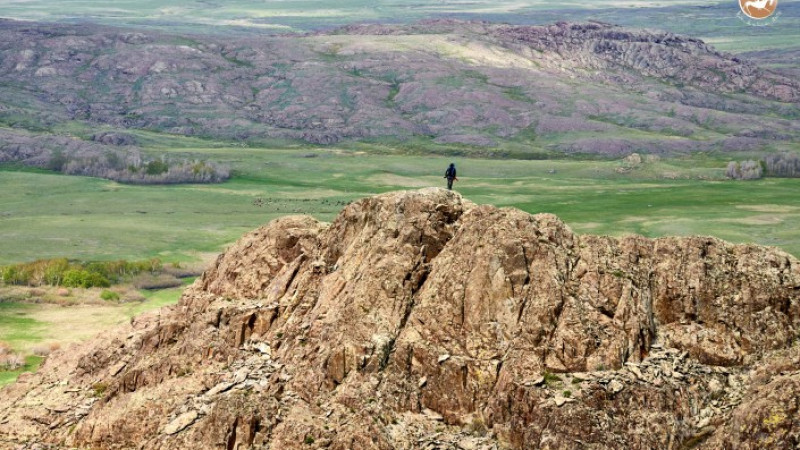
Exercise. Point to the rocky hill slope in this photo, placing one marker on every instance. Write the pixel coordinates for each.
(420, 320)
(585, 88)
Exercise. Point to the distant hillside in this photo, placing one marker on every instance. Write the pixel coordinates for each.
(587, 88)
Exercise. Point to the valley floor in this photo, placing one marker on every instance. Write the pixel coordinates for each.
(45, 215)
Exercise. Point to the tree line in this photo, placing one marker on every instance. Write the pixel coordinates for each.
(779, 165)
(66, 273)
(132, 168)
(125, 164)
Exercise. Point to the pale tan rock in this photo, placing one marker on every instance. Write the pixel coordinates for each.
(615, 386)
(181, 422)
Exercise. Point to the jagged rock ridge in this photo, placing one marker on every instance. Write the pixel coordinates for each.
(420, 320)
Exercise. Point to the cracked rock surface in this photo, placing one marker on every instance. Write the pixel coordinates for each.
(420, 320)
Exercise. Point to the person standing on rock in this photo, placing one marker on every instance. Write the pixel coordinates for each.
(450, 174)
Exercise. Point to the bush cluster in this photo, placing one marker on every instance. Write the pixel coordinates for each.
(109, 295)
(124, 164)
(45, 349)
(8, 359)
(154, 282)
(779, 165)
(62, 272)
(745, 170)
(132, 169)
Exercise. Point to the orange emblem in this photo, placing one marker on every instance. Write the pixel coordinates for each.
(758, 9)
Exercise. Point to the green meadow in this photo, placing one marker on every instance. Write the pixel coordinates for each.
(46, 215)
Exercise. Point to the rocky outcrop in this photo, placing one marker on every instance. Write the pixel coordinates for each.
(420, 320)
(109, 138)
(663, 55)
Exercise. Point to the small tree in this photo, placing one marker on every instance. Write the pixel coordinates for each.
(156, 167)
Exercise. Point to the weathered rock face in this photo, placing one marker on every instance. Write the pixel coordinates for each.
(420, 320)
(657, 54)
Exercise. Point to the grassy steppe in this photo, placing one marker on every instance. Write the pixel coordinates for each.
(48, 215)
(45, 215)
(295, 15)
(715, 21)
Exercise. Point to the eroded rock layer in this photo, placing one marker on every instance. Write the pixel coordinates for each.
(420, 320)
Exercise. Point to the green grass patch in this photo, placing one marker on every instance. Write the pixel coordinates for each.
(109, 295)
(17, 327)
(46, 215)
(32, 363)
(155, 300)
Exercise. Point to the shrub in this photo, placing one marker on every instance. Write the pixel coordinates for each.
(11, 361)
(54, 271)
(182, 272)
(551, 378)
(16, 275)
(74, 278)
(156, 167)
(132, 295)
(109, 295)
(477, 427)
(57, 161)
(99, 389)
(45, 349)
(77, 157)
(84, 279)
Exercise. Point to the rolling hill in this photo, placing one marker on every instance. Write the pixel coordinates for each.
(494, 89)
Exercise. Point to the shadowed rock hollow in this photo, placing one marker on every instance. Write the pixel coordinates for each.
(420, 320)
